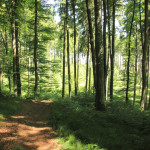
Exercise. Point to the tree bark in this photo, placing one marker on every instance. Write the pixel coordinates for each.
(78, 68)
(68, 55)
(91, 40)
(17, 50)
(14, 47)
(113, 52)
(35, 51)
(64, 47)
(129, 51)
(109, 44)
(87, 66)
(100, 91)
(144, 60)
(135, 76)
(0, 68)
(104, 43)
(141, 24)
(74, 17)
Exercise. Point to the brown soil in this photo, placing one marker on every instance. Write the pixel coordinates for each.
(28, 130)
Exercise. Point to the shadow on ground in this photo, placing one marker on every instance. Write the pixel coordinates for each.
(28, 129)
(119, 128)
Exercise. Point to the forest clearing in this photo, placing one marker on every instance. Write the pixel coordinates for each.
(74, 75)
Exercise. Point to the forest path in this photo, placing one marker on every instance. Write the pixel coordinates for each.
(28, 129)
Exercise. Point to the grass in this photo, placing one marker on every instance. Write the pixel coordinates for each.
(81, 127)
(9, 104)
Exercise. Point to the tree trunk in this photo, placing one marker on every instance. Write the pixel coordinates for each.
(35, 51)
(141, 23)
(64, 47)
(109, 44)
(78, 68)
(90, 78)
(100, 91)
(128, 63)
(17, 50)
(104, 43)
(91, 40)
(75, 76)
(144, 60)
(68, 55)
(135, 76)
(14, 47)
(0, 68)
(113, 52)
(87, 66)
(29, 76)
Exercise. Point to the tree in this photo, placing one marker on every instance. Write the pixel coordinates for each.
(113, 52)
(135, 77)
(14, 46)
(129, 51)
(144, 60)
(91, 40)
(68, 59)
(17, 49)
(74, 19)
(64, 47)
(35, 50)
(104, 42)
(100, 92)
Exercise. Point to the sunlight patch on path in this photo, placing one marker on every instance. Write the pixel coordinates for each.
(28, 130)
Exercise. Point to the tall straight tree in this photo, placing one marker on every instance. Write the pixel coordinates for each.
(64, 55)
(113, 51)
(100, 91)
(35, 50)
(91, 40)
(87, 64)
(74, 20)
(129, 52)
(109, 42)
(144, 72)
(68, 55)
(104, 42)
(0, 67)
(141, 30)
(135, 76)
(13, 46)
(17, 49)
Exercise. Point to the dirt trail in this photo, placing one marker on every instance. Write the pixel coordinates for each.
(28, 129)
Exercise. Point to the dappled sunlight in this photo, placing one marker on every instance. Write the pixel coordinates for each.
(29, 129)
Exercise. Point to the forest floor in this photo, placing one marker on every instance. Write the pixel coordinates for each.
(28, 129)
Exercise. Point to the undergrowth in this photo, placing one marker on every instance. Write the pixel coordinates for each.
(9, 104)
(81, 127)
